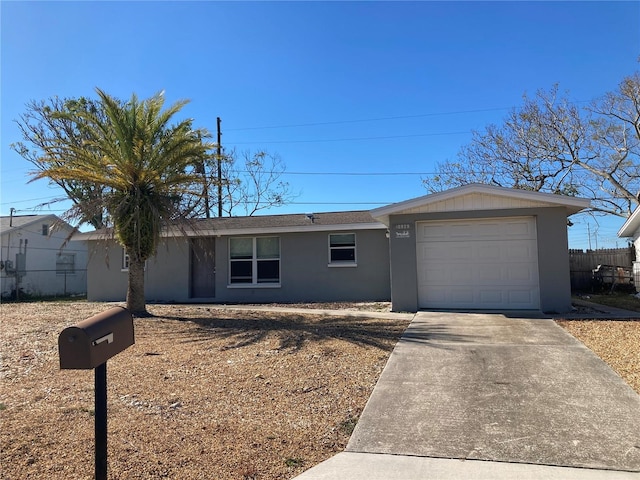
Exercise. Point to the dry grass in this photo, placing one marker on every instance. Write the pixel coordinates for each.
(202, 394)
(206, 393)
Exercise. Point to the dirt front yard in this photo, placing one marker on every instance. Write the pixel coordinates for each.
(203, 393)
(207, 393)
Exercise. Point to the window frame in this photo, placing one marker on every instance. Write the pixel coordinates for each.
(254, 262)
(71, 271)
(331, 248)
(124, 267)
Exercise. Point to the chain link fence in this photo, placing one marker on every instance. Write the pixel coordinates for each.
(33, 284)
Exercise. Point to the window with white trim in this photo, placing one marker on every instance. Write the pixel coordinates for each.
(254, 260)
(65, 264)
(125, 259)
(342, 249)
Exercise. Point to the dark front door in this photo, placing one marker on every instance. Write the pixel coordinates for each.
(203, 268)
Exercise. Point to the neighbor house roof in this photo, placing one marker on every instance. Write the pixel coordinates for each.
(21, 221)
(631, 226)
(265, 224)
(572, 204)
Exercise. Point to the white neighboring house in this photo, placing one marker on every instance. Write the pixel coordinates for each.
(37, 259)
(631, 229)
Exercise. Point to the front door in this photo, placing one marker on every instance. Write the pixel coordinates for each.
(203, 268)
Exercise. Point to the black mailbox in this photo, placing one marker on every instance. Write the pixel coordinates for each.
(93, 341)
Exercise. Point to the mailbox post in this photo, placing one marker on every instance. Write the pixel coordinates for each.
(88, 345)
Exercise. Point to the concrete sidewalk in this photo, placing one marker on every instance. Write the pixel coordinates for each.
(485, 396)
(371, 466)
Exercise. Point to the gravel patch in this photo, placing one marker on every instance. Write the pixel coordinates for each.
(617, 342)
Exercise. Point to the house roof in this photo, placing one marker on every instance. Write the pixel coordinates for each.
(481, 191)
(265, 224)
(631, 226)
(21, 221)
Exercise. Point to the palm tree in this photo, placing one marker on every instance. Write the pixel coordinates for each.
(146, 168)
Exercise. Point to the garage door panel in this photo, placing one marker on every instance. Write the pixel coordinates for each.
(477, 229)
(458, 275)
(524, 296)
(476, 251)
(468, 297)
(442, 296)
(515, 252)
(526, 273)
(434, 272)
(490, 297)
(464, 274)
(478, 264)
(488, 274)
(444, 251)
(461, 232)
(489, 251)
(518, 229)
(461, 295)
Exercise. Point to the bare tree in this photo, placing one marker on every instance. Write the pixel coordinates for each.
(46, 126)
(617, 134)
(252, 182)
(552, 145)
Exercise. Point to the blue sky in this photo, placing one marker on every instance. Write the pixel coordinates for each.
(384, 88)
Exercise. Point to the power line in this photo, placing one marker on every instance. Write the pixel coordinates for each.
(340, 203)
(37, 199)
(386, 137)
(356, 174)
(378, 119)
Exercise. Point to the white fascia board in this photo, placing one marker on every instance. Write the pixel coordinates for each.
(631, 226)
(84, 236)
(293, 229)
(245, 231)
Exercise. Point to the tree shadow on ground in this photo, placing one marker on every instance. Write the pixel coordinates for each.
(438, 335)
(292, 330)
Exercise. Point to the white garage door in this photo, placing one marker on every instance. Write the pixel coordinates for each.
(478, 264)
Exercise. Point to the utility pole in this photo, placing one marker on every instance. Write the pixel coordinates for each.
(219, 169)
(205, 192)
(11, 210)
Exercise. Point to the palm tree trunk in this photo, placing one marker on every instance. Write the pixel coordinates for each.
(135, 292)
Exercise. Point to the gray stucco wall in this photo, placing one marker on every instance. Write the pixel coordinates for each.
(166, 274)
(553, 254)
(553, 260)
(105, 279)
(305, 275)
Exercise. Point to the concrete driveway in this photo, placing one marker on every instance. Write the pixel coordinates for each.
(487, 388)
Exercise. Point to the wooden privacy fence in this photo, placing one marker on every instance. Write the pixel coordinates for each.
(582, 262)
